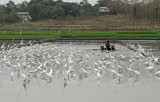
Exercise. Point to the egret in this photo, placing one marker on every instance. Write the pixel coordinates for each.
(156, 60)
(34, 73)
(43, 74)
(119, 69)
(25, 82)
(123, 57)
(157, 74)
(150, 67)
(66, 82)
(147, 63)
(50, 77)
(137, 74)
(131, 72)
(12, 81)
(98, 77)
(85, 72)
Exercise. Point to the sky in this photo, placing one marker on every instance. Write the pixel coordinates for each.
(19, 1)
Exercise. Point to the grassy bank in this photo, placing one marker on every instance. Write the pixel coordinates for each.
(52, 35)
(113, 35)
(44, 35)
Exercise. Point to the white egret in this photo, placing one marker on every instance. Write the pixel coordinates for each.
(157, 74)
(12, 78)
(150, 67)
(34, 74)
(66, 82)
(50, 77)
(98, 77)
(137, 75)
(43, 74)
(25, 82)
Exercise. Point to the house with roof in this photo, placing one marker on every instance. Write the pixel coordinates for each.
(24, 17)
(104, 10)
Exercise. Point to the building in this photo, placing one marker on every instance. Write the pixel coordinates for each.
(24, 16)
(104, 9)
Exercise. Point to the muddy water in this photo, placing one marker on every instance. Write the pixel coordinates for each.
(147, 89)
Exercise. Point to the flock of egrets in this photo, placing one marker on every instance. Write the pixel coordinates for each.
(75, 63)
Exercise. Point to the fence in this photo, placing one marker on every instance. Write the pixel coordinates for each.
(82, 27)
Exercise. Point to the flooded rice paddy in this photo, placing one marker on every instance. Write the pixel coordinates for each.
(80, 72)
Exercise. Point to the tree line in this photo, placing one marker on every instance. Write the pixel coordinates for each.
(51, 9)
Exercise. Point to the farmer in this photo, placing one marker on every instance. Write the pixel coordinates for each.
(108, 45)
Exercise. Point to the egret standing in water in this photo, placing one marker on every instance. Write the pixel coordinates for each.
(66, 82)
(50, 77)
(24, 82)
(12, 81)
(157, 75)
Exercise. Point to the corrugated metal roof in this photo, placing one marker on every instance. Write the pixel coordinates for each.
(22, 13)
(103, 7)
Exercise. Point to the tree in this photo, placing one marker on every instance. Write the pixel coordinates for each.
(84, 2)
(34, 11)
(57, 9)
(34, 1)
(22, 6)
(10, 4)
(57, 13)
(71, 9)
(103, 3)
(46, 12)
(85, 7)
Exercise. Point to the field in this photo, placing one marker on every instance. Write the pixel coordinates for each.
(105, 22)
(45, 35)
(102, 27)
(62, 34)
(112, 35)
